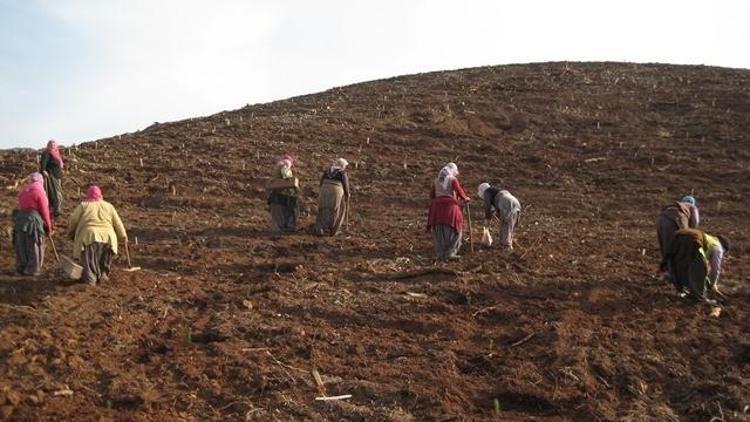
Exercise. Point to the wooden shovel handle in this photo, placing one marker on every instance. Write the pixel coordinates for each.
(54, 249)
(127, 254)
(471, 236)
(346, 220)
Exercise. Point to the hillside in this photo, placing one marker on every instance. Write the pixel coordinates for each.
(227, 322)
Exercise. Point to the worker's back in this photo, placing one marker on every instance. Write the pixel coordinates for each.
(679, 213)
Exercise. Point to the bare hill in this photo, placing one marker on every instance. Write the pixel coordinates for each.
(226, 322)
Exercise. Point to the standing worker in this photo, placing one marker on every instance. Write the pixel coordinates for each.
(682, 214)
(695, 258)
(51, 166)
(445, 218)
(284, 202)
(31, 222)
(333, 203)
(508, 209)
(95, 228)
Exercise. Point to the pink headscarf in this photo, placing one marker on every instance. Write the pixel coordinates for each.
(36, 182)
(285, 160)
(54, 151)
(94, 194)
(36, 177)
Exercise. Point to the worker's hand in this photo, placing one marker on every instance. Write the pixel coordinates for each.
(126, 241)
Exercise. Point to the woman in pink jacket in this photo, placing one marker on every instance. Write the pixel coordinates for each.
(31, 222)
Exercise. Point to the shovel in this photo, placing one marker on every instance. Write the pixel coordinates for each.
(130, 268)
(68, 266)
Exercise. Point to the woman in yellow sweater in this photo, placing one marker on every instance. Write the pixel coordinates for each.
(95, 228)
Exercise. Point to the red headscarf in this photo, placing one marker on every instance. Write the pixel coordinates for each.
(94, 194)
(54, 151)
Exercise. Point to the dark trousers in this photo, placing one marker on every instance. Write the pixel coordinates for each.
(29, 253)
(665, 228)
(687, 267)
(97, 262)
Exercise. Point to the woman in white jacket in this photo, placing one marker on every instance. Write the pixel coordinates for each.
(508, 209)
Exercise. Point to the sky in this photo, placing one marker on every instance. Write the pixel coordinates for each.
(79, 70)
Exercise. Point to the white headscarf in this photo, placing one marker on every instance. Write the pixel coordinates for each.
(447, 174)
(482, 188)
(340, 164)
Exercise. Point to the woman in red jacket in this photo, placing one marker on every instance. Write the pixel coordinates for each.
(31, 222)
(445, 218)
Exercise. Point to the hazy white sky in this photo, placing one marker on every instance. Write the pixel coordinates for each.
(77, 70)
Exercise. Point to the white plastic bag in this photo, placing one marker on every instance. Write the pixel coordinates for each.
(486, 237)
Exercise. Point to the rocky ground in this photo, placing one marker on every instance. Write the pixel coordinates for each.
(227, 322)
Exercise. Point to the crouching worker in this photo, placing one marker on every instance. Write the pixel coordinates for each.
(31, 221)
(445, 219)
(682, 214)
(695, 260)
(283, 202)
(334, 197)
(508, 210)
(95, 228)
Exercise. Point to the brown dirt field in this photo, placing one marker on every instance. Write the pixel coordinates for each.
(592, 151)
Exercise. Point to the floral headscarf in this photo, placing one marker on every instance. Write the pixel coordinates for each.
(339, 164)
(447, 174)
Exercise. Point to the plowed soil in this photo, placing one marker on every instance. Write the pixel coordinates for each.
(227, 322)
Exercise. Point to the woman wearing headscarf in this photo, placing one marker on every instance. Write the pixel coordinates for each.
(334, 198)
(508, 211)
(682, 214)
(95, 228)
(51, 166)
(283, 201)
(694, 261)
(31, 221)
(445, 218)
